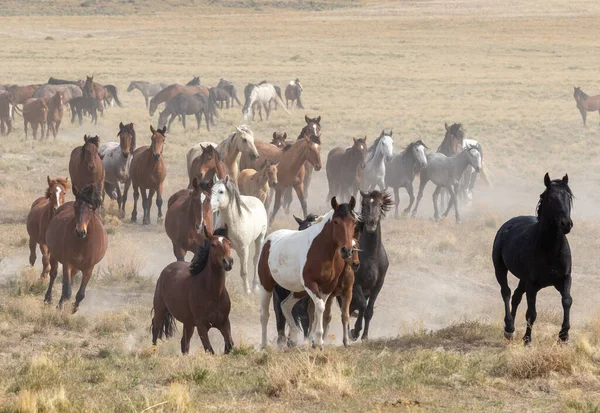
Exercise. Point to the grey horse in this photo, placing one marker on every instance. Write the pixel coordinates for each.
(230, 88)
(148, 89)
(182, 105)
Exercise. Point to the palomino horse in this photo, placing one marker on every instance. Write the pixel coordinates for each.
(76, 239)
(290, 170)
(344, 169)
(402, 169)
(35, 112)
(586, 103)
(148, 89)
(266, 151)
(168, 93)
(69, 92)
(258, 183)
(206, 166)
(148, 172)
(55, 113)
(116, 158)
(42, 211)
(246, 218)
(309, 260)
(182, 105)
(292, 93)
(85, 165)
(188, 211)
(196, 295)
(231, 89)
(377, 158)
(239, 142)
(537, 252)
(260, 95)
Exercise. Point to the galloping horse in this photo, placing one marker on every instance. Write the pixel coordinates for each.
(292, 92)
(378, 155)
(148, 172)
(537, 252)
(344, 169)
(76, 239)
(168, 93)
(85, 165)
(148, 89)
(35, 112)
(55, 113)
(206, 166)
(41, 212)
(586, 103)
(260, 95)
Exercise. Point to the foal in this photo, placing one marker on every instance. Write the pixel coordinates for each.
(258, 183)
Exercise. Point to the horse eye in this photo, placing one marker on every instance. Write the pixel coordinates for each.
(221, 192)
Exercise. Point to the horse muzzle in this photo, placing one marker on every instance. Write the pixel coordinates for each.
(371, 226)
(227, 263)
(80, 233)
(477, 169)
(565, 225)
(157, 156)
(355, 266)
(125, 154)
(254, 156)
(346, 253)
(317, 168)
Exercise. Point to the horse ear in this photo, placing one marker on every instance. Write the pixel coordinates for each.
(352, 203)
(152, 129)
(334, 203)
(274, 135)
(298, 220)
(547, 180)
(318, 120)
(49, 180)
(391, 132)
(226, 180)
(364, 194)
(85, 138)
(365, 139)
(565, 179)
(446, 126)
(382, 132)
(163, 131)
(354, 139)
(121, 126)
(306, 119)
(284, 135)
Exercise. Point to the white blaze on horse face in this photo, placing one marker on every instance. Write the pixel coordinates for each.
(202, 197)
(58, 191)
(316, 145)
(315, 128)
(10, 110)
(421, 155)
(220, 239)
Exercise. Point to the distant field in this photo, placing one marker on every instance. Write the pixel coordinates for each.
(506, 72)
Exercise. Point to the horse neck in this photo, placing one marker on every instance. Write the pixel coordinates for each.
(370, 241)
(215, 279)
(191, 213)
(354, 156)
(460, 162)
(293, 157)
(409, 161)
(262, 176)
(325, 240)
(549, 238)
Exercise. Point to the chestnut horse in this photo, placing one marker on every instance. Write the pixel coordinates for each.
(586, 103)
(76, 239)
(207, 165)
(266, 151)
(168, 93)
(148, 172)
(85, 165)
(258, 183)
(188, 211)
(195, 294)
(55, 113)
(42, 211)
(22, 93)
(344, 169)
(35, 112)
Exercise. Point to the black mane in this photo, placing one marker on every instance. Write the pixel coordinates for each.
(201, 258)
(343, 211)
(90, 194)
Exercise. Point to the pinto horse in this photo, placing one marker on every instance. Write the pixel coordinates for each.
(148, 172)
(344, 169)
(309, 260)
(76, 239)
(206, 166)
(586, 103)
(537, 252)
(195, 294)
(85, 165)
(35, 112)
(42, 211)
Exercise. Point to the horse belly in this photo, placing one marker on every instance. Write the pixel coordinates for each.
(286, 267)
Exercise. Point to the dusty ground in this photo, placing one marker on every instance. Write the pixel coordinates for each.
(506, 72)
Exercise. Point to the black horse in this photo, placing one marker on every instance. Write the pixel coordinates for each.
(537, 252)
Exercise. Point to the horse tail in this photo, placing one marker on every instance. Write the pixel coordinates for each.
(168, 326)
(17, 110)
(278, 98)
(486, 174)
(212, 103)
(113, 91)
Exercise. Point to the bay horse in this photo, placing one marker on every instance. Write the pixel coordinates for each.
(54, 81)
(586, 103)
(41, 213)
(344, 169)
(55, 113)
(374, 263)
(85, 165)
(148, 172)
(537, 252)
(77, 240)
(266, 151)
(246, 219)
(309, 260)
(116, 158)
(378, 156)
(182, 105)
(168, 93)
(196, 294)
(148, 89)
(35, 112)
(402, 169)
(188, 211)
(207, 166)
(231, 89)
(292, 93)
(258, 183)
(260, 95)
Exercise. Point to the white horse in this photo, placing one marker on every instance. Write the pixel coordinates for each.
(469, 177)
(261, 94)
(246, 219)
(378, 155)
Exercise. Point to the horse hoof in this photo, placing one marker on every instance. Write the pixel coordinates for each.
(353, 335)
(526, 341)
(159, 220)
(133, 219)
(121, 214)
(509, 336)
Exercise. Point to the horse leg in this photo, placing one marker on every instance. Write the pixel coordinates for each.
(327, 315)
(583, 116)
(124, 198)
(564, 289)
(288, 197)
(45, 260)
(369, 311)
(257, 250)
(146, 99)
(85, 278)
(225, 330)
(170, 122)
(436, 213)
(319, 300)
(397, 202)
(243, 254)
(203, 333)
(55, 129)
(188, 332)
(345, 308)
(198, 117)
(361, 302)
(145, 221)
(265, 300)
(66, 289)
(159, 204)
(287, 305)
(422, 183)
(32, 247)
(136, 196)
(183, 121)
(453, 201)
(53, 274)
(268, 111)
(25, 128)
(149, 204)
(279, 317)
(300, 192)
(178, 251)
(531, 314)
(277, 205)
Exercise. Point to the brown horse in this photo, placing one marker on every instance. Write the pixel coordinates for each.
(344, 169)
(267, 151)
(35, 112)
(290, 170)
(586, 103)
(22, 93)
(55, 113)
(207, 165)
(292, 93)
(85, 165)
(76, 239)
(453, 140)
(195, 294)
(93, 90)
(42, 211)
(188, 211)
(258, 183)
(7, 106)
(148, 172)
(168, 93)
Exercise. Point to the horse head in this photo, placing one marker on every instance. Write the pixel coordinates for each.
(312, 128)
(57, 188)
(158, 141)
(474, 157)
(305, 223)
(453, 139)
(88, 87)
(343, 221)
(89, 151)
(418, 152)
(270, 169)
(207, 161)
(244, 141)
(220, 248)
(126, 138)
(86, 203)
(279, 139)
(554, 207)
(374, 206)
(360, 147)
(313, 151)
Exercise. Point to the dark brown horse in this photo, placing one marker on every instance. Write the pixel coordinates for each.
(586, 103)
(168, 93)
(148, 172)
(344, 169)
(205, 166)
(188, 211)
(55, 113)
(453, 140)
(35, 112)
(81, 104)
(85, 165)
(42, 211)
(76, 239)
(195, 294)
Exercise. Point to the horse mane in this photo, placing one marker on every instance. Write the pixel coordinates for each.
(94, 140)
(235, 193)
(286, 147)
(201, 258)
(90, 194)
(344, 210)
(455, 128)
(559, 183)
(194, 82)
(62, 182)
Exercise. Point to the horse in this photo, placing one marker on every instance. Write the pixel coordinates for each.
(182, 105)
(116, 158)
(79, 105)
(537, 252)
(92, 89)
(292, 93)
(85, 165)
(76, 239)
(111, 97)
(55, 113)
(35, 112)
(586, 103)
(266, 151)
(7, 106)
(188, 211)
(258, 183)
(231, 89)
(168, 93)
(207, 166)
(148, 89)
(467, 183)
(221, 95)
(374, 263)
(240, 141)
(445, 172)
(148, 172)
(344, 169)
(401, 170)
(41, 213)
(378, 155)
(246, 218)
(257, 95)
(309, 260)
(195, 294)
(22, 93)
(69, 92)
(453, 140)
